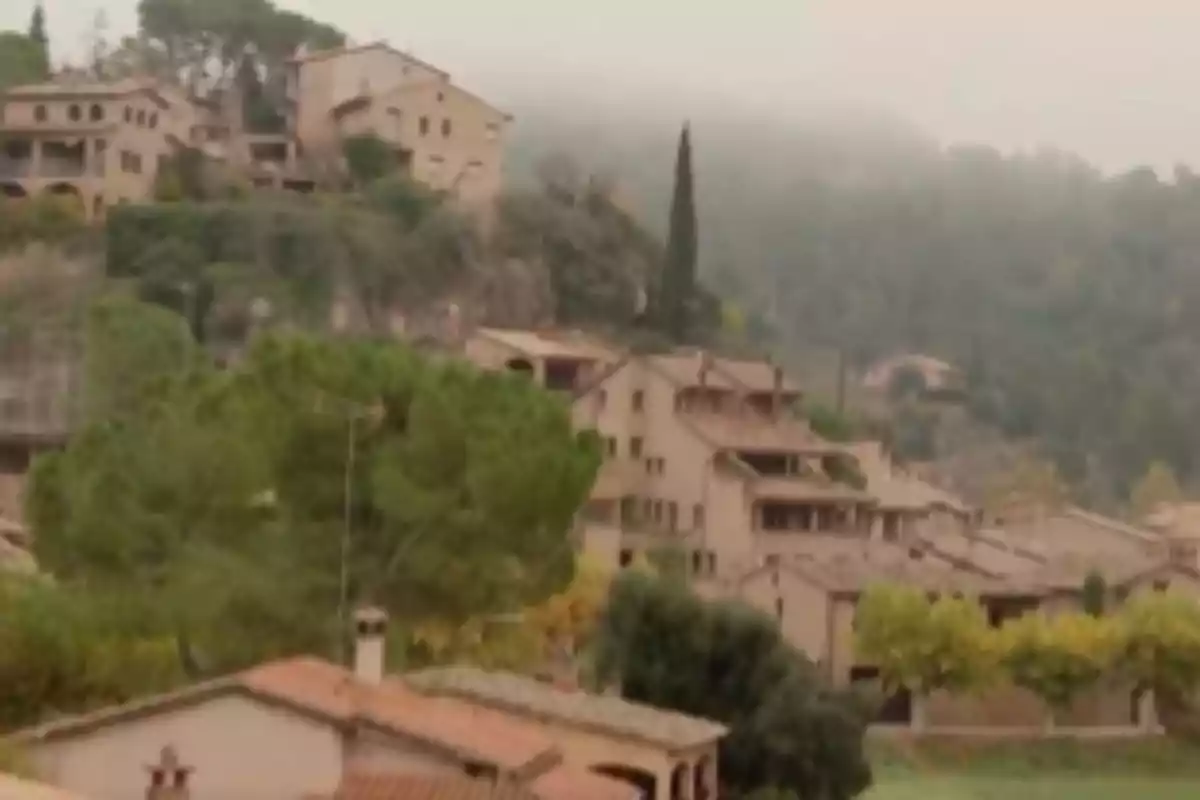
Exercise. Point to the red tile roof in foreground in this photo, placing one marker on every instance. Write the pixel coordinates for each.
(424, 787)
(331, 694)
(563, 783)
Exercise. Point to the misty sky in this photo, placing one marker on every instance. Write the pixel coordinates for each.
(1111, 79)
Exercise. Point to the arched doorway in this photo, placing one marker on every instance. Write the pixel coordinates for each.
(643, 780)
(522, 366)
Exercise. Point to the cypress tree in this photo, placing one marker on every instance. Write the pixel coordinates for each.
(677, 289)
(37, 34)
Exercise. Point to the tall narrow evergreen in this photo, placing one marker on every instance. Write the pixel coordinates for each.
(37, 33)
(677, 288)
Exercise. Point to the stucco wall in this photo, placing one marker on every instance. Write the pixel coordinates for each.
(241, 749)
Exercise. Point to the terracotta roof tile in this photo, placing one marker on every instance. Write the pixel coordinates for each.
(415, 786)
(332, 694)
(614, 715)
(331, 691)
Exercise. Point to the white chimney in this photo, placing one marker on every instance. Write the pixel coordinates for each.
(370, 635)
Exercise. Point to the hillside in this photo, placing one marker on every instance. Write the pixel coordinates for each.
(1068, 297)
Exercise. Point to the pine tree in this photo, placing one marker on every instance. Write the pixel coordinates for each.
(677, 289)
(37, 33)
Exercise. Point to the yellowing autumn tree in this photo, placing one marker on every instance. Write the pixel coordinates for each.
(521, 642)
(1058, 658)
(1162, 643)
(924, 646)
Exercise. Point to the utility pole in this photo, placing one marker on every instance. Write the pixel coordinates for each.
(347, 522)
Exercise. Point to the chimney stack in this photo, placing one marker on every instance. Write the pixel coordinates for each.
(370, 635)
(169, 777)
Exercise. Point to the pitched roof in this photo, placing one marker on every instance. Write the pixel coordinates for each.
(336, 52)
(749, 431)
(331, 694)
(685, 367)
(424, 786)
(551, 344)
(14, 788)
(857, 568)
(612, 715)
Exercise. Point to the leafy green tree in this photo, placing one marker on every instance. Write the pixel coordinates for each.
(727, 662)
(64, 651)
(368, 158)
(37, 35)
(232, 499)
(1059, 658)
(924, 646)
(21, 60)
(674, 296)
(1162, 643)
(1157, 487)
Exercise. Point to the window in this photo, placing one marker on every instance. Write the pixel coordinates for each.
(141, 118)
(1161, 585)
(658, 511)
(447, 128)
(626, 557)
(39, 113)
(649, 466)
(601, 398)
(154, 120)
(779, 608)
(639, 400)
(698, 516)
(74, 113)
(635, 447)
(673, 515)
(96, 112)
(493, 132)
(772, 560)
(128, 114)
(712, 563)
(611, 444)
(441, 97)
(423, 126)
(697, 561)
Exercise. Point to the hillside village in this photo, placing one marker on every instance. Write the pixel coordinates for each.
(225, 534)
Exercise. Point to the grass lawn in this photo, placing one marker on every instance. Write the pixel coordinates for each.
(1033, 788)
(1158, 769)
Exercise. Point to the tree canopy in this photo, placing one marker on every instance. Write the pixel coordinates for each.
(727, 662)
(228, 502)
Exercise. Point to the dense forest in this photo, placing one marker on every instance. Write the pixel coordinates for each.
(1069, 297)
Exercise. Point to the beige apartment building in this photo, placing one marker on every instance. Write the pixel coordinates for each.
(707, 455)
(97, 144)
(102, 143)
(443, 135)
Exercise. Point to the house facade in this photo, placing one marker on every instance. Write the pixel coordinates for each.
(304, 727)
(101, 144)
(98, 145)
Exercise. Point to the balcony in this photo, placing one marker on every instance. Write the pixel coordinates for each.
(16, 159)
